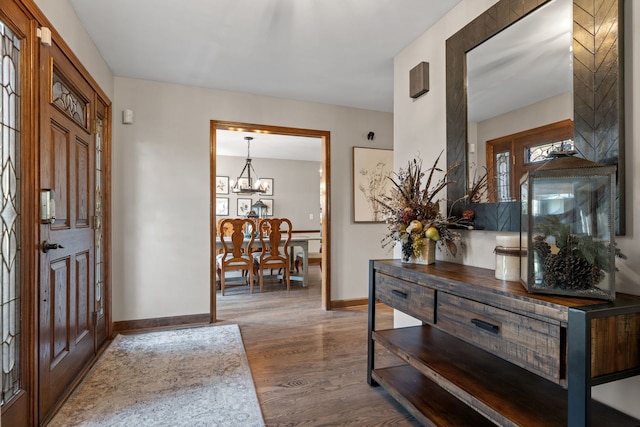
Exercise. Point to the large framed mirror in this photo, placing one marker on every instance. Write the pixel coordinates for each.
(526, 64)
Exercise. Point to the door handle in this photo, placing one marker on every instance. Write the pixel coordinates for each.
(46, 246)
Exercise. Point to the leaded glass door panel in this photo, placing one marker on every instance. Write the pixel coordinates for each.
(14, 52)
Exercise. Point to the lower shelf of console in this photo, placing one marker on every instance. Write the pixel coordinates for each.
(447, 381)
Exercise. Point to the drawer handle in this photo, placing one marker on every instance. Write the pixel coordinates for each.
(494, 329)
(399, 293)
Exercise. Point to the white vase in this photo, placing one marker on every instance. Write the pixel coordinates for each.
(427, 253)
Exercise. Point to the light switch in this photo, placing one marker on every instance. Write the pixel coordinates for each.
(310, 216)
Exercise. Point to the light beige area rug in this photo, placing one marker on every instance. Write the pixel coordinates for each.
(183, 377)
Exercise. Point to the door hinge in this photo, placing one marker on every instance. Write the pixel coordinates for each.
(95, 318)
(44, 34)
(94, 126)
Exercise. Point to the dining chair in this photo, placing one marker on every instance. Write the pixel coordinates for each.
(235, 254)
(275, 235)
(313, 258)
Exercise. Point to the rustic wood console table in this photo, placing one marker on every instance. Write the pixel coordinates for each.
(490, 353)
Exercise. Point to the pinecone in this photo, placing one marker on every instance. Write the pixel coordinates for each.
(568, 272)
(564, 252)
(542, 249)
(579, 273)
(597, 275)
(553, 270)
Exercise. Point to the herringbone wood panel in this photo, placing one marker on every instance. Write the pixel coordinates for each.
(597, 86)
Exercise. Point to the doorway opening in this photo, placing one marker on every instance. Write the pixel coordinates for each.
(325, 195)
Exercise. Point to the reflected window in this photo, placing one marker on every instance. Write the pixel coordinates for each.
(510, 157)
(503, 176)
(540, 153)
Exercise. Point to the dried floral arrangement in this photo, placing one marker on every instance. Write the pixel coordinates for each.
(412, 213)
(479, 187)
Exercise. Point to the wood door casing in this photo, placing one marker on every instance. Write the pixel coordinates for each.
(325, 194)
(66, 304)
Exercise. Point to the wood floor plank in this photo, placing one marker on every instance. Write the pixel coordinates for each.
(309, 365)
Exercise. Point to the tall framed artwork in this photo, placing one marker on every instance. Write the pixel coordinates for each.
(371, 169)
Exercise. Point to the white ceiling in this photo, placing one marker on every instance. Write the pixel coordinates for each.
(337, 52)
(265, 145)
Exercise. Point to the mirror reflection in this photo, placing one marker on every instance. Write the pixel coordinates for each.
(520, 98)
(597, 119)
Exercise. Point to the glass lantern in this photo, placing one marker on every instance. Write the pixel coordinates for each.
(567, 226)
(260, 208)
(257, 213)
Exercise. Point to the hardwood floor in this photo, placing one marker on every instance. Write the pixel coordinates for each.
(309, 365)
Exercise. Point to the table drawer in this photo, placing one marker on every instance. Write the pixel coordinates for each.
(413, 299)
(530, 343)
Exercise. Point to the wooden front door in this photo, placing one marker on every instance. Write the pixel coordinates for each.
(67, 167)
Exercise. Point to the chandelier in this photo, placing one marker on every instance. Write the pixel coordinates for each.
(244, 184)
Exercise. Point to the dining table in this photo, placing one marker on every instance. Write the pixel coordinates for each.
(301, 241)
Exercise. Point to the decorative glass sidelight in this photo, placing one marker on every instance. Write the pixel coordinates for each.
(9, 212)
(98, 223)
(503, 162)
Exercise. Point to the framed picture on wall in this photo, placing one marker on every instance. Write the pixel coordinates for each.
(222, 206)
(222, 185)
(269, 204)
(267, 185)
(244, 206)
(371, 169)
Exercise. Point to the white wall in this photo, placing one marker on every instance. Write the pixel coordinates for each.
(420, 127)
(296, 188)
(161, 191)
